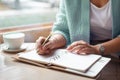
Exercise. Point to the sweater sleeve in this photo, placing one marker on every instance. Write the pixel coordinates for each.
(61, 26)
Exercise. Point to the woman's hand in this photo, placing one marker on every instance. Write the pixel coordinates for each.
(82, 47)
(55, 41)
(46, 48)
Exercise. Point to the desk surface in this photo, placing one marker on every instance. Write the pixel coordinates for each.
(14, 70)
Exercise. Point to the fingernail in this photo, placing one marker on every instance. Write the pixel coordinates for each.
(75, 51)
(83, 53)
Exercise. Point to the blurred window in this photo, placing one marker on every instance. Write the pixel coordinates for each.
(14, 13)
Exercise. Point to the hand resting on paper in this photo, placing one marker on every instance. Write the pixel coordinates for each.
(82, 47)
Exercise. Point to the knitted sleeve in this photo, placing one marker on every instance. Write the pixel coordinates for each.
(61, 26)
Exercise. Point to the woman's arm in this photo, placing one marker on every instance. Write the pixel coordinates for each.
(80, 47)
(112, 46)
(60, 26)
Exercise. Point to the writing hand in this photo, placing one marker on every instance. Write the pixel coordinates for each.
(44, 45)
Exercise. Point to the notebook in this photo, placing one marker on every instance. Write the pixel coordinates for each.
(66, 61)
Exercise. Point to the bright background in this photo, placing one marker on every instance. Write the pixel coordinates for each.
(14, 13)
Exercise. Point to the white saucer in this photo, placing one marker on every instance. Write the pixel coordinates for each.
(23, 48)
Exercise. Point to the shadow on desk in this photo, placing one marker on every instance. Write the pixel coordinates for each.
(112, 70)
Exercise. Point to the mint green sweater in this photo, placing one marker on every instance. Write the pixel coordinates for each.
(73, 20)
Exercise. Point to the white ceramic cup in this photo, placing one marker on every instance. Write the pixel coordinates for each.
(13, 40)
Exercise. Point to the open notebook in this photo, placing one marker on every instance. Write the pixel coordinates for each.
(70, 62)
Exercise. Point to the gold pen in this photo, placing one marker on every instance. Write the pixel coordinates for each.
(47, 39)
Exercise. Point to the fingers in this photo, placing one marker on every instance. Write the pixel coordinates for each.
(39, 42)
(48, 45)
(43, 52)
(43, 49)
(86, 50)
(39, 47)
(74, 44)
(81, 47)
(77, 48)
